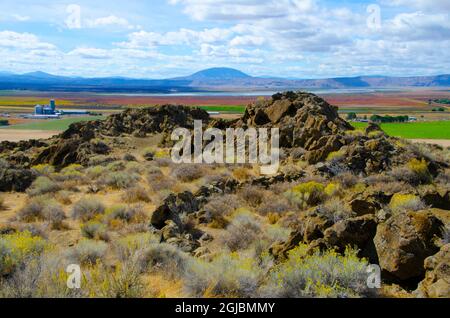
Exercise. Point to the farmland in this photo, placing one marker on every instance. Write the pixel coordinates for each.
(51, 125)
(418, 103)
(418, 130)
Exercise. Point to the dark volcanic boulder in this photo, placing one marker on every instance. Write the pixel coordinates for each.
(156, 119)
(173, 206)
(15, 178)
(405, 240)
(355, 232)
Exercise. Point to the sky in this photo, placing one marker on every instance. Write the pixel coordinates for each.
(170, 38)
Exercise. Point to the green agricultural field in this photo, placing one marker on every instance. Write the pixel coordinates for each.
(53, 124)
(230, 109)
(418, 130)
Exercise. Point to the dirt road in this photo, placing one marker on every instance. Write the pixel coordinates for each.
(441, 142)
(18, 135)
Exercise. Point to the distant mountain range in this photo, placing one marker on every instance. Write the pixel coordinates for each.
(213, 79)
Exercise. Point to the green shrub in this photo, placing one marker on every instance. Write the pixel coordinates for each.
(87, 209)
(43, 185)
(323, 274)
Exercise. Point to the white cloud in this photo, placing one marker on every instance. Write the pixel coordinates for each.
(247, 40)
(243, 9)
(143, 39)
(21, 18)
(91, 53)
(426, 5)
(17, 40)
(109, 21)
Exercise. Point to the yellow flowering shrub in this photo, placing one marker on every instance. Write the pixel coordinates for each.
(335, 155)
(16, 248)
(305, 194)
(420, 168)
(322, 274)
(406, 202)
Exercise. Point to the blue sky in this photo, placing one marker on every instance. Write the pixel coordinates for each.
(169, 38)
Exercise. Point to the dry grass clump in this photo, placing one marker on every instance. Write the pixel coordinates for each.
(87, 209)
(119, 180)
(347, 180)
(2, 203)
(41, 208)
(63, 197)
(188, 172)
(43, 170)
(125, 213)
(252, 195)
(165, 258)
(133, 244)
(335, 210)
(95, 230)
(88, 252)
(218, 208)
(74, 172)
(243, 230)
(227, 275)
(415, 173)
(136, 194)
(242, 174)
(274, 204)
(95, 172)
(323, 274)
(43, 185)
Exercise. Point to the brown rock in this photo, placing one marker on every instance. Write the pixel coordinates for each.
(405, 240)
(437, 277)
(353, 232)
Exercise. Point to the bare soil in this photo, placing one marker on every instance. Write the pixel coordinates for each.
(18, 135)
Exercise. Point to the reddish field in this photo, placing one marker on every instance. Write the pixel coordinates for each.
(408, 100)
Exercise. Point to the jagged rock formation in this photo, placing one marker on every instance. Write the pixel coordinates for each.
(305, 120)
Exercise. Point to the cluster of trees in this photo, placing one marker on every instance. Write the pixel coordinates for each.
(389, 119)
(442, 101)
(439, 109)
(4, 122)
